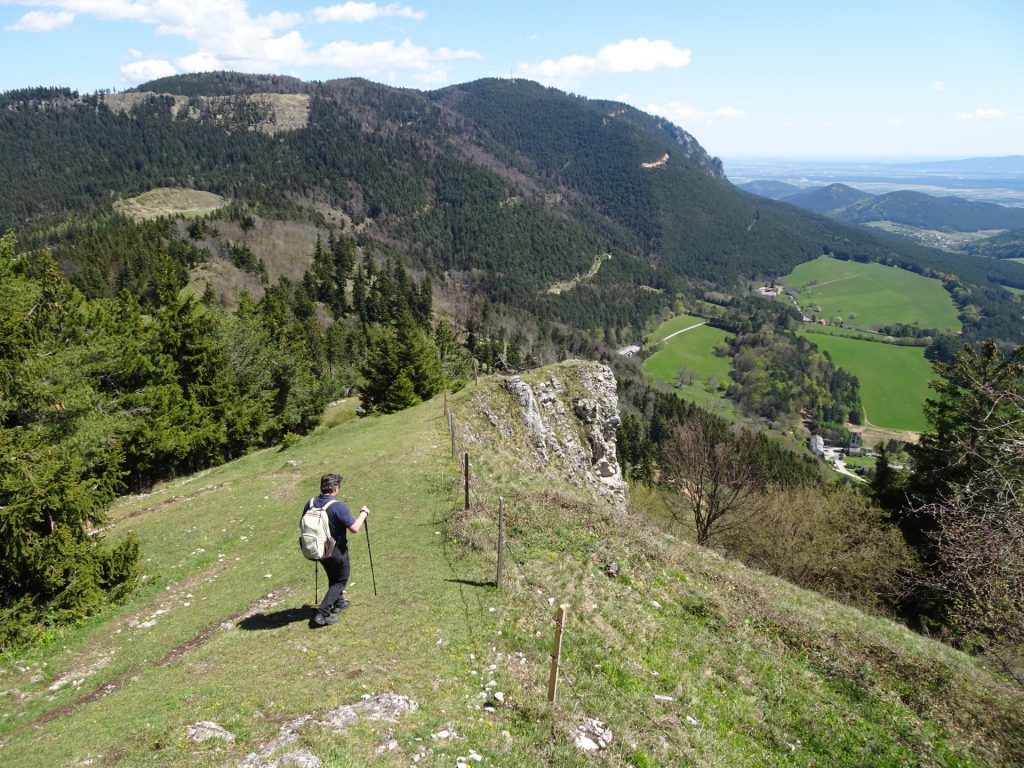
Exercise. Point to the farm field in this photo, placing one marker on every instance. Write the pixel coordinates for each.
(893, 380)
(691, 349)
(871, 295)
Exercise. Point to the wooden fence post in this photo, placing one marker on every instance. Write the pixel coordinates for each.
(466, 464)
(556, 654)
(501, 541)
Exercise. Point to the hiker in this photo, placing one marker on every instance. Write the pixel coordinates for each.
(336, 565)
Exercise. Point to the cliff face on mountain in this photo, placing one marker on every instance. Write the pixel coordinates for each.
(562, 422)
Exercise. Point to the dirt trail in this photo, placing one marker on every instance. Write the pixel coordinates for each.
(684, 330)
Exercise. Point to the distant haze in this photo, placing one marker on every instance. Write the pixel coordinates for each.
(988, 179)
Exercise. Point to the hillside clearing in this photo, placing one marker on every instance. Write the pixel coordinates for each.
(869, 296)
(686, 343)
(568, 285)
(166, 201)
(686, 657)
(893, 380)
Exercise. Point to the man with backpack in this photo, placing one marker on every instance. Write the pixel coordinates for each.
(329, 544)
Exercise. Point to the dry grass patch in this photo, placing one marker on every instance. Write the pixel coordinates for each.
(167, 201)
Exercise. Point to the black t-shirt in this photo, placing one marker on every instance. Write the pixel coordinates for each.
(339, 518)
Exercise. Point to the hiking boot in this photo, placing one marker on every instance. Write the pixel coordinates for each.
(339, 606)
(322, 621)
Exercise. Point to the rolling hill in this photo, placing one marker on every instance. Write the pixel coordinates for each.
(682, 656)
(913, 209)
(766, 188)
(949, 214)
(826, 200)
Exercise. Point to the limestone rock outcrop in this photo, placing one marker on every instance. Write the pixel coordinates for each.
(568, 415)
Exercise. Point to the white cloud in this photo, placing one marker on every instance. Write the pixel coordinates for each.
(135, 53)
(384, 56)
(201, 62)
(640, 55)
(982, 114)
(938, 86)
(226, 36)
(357, 13)
(895, 122)
(42, 21)
(148, 69)
(683, 114)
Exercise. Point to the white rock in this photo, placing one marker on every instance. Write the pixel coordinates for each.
(660, 697)
(207, 729)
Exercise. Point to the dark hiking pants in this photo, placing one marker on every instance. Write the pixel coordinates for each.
(336, 567)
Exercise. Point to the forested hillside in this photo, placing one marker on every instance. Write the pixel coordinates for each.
(499, 186)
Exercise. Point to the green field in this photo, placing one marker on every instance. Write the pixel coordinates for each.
(691, 349)
(893, 380)
(871, 295)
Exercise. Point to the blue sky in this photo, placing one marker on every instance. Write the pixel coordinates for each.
(771, 78)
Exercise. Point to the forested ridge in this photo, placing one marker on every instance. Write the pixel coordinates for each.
(514, 185)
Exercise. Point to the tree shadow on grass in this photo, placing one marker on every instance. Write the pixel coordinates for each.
(276, 619)
(469, 583)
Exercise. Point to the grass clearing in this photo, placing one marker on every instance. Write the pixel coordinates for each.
(893, 380)
(166, 201)
(689, 658)
(871, 295)
(691, 346)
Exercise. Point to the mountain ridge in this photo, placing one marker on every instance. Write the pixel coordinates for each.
(503, 186)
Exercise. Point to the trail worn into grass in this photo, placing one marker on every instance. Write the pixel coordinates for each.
(689, 659)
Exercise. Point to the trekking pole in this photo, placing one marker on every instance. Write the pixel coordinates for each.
(366, 525)
(316, 583)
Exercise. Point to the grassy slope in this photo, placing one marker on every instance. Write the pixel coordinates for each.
(759, 673)
(691, 349)
(876, 294)
(170, 202)
(893, 379)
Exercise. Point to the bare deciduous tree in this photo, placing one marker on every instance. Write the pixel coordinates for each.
(716, 486)
(975, 558)
(978, 571)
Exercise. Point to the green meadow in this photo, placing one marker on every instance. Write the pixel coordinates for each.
(871, 295)
(691, 348)
(893, 379)
(688, 657)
